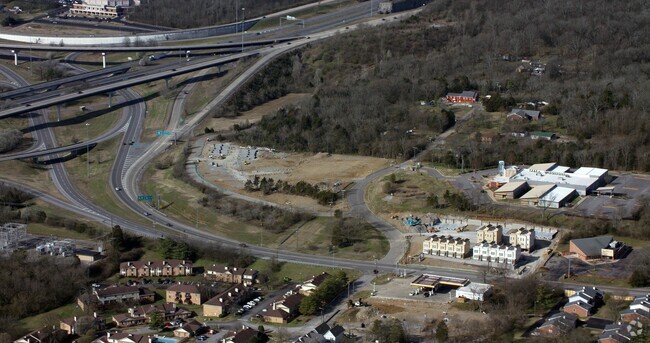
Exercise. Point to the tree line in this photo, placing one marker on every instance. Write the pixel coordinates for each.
(302, 188)
(324, 294)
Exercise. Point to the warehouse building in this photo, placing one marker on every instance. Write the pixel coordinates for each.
(558, 197)
(512, 190)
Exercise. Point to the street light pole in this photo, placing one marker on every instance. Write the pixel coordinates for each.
(243, 22)
(88, 149)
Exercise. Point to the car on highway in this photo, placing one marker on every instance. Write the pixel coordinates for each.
(118, 188)
(146, 213)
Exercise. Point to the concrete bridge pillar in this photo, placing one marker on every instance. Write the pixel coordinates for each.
(15, 52)
(110, 99)
(58, 112)
(104, 60)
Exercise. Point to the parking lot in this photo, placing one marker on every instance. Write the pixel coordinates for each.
(628, 188)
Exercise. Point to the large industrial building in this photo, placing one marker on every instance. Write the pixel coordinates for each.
(546, 184)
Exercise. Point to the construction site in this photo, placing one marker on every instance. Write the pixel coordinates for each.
(230, 166)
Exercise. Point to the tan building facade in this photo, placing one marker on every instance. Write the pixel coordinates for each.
(220, 304)
(184, 294)
(231, 274)
(489, 234)
(446, 246)
(523, 237)
(156, 268)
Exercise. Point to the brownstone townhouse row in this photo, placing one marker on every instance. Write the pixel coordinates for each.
(231, 274)
(156, 268)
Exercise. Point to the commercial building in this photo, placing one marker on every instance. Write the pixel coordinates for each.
(465, 96)
(532, 197)
(584, 180)
(489, 233)
(497, 253)
(512, 190)
(446, 246)
(603, 247)
(523, 237)
(184, 294)
(156, 268)
(474, 291)
(558, 197)
(88, 256)
(112, 3)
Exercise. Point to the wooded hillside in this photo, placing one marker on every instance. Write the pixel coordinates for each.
(368, 83)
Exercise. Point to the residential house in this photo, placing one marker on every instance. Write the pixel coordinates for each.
(231, 274)
(512, 190)
(276, 316)
(497, 253)
(190, 329)
(124, 337)
(446, 246)
(307, 287)
(290, 304)
(604, 247)
(556, 325)
(638, 311)
(325, 333)
(523, 237)
(579, 308)
(520, 114)
(72, 324)
(465, 96)
(245, 335)
(474, 291)
(156, 268)
(141, 314)
(184, 294)
(548, 136)
(45, 334)
(590, 295)
(220, 304)
(620, 332)
(489, 233)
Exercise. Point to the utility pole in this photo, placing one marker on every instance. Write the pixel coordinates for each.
(243, 22)
(88, 148)
(197, 217)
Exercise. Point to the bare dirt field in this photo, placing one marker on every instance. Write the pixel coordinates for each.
(231, 166)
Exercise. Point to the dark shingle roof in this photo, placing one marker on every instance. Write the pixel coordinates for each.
(322, 329)
(592, 246)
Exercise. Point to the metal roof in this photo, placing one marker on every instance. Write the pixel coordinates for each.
(511, 186)
(537, 192)
(592, 246)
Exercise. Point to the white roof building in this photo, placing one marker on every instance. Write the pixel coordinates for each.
(558, 197)
(474, 291)
(583, 180)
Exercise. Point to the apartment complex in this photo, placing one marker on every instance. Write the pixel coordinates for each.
(446, 246)
(184, 294)
(220, 304)
(523, 237)
(489, 234)
(497, 253)
(140, 315)
(156, 268)
(115, 294)
(231, 274)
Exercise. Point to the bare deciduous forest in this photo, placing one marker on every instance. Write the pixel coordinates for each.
(197, 13)
(367, 83)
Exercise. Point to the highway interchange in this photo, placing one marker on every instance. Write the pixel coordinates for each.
(125, 177)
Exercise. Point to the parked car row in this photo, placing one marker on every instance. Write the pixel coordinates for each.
(249, 305)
